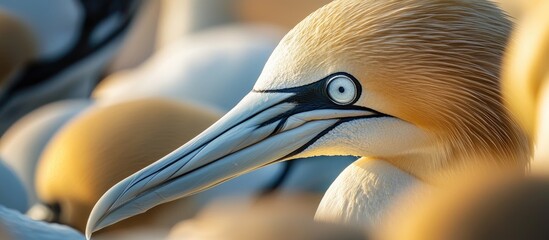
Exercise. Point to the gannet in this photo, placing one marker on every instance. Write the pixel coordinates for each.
(413, 83)
(23, 143)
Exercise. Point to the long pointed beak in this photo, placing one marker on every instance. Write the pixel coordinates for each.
(262, 129)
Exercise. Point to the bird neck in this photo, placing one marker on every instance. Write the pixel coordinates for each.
(503, 146)
(364, 192)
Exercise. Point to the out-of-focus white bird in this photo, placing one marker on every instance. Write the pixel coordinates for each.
(216, 67)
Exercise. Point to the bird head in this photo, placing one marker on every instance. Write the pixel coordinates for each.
(412, 82)
(104, 145)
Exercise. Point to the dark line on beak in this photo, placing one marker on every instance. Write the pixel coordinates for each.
(278, 127)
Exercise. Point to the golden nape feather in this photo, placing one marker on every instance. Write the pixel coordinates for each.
(106, 144)
(435, 64)
(17, 49)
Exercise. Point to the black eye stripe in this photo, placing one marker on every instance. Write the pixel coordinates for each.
(316, 89)
(314, 96)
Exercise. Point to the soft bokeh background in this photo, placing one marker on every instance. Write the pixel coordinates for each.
(77, 99)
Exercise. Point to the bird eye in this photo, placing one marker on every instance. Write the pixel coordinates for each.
(341, 90)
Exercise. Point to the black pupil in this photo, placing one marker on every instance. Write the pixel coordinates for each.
(341, 89)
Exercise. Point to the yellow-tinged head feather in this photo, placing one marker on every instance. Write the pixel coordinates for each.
(106, 144)
(433, 63)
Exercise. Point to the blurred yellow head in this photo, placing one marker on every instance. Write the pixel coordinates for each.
(106, 144)
(480, 207)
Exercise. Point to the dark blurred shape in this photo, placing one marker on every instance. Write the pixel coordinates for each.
(73, 71)
(17, 46)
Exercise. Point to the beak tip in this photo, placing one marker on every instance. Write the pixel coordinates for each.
(88, 235)
(97, 219)
(102, 214)
(94, 225)
(89, 232)
(91, 227)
